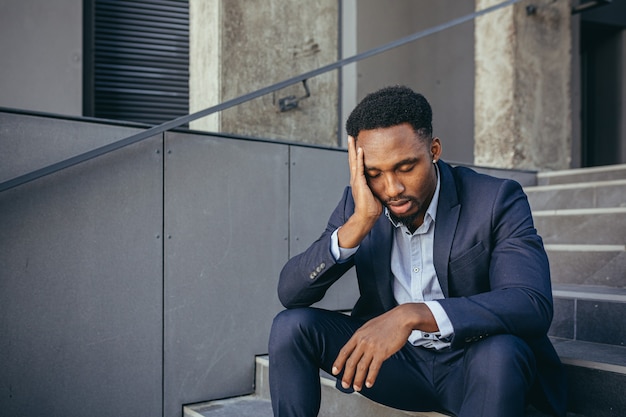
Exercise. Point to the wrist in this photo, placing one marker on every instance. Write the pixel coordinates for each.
(417, 316)
(354, 231)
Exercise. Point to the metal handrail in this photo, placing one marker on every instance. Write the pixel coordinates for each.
(172, 124)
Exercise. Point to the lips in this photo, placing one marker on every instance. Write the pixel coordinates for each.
(400, 207)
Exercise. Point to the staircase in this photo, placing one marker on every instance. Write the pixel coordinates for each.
(581, 215)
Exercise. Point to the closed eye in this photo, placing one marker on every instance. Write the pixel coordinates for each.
(406, 168)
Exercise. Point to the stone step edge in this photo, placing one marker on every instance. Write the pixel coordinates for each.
(583, 247)
(189, 409)
(594, 211)
(576, 171)
(329, 382)
(565, 172)
(589, 292)
(573, 186)
(590, 355)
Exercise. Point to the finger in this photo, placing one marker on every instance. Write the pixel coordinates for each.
(343, 355)
(360, 161)
(372, 374)
(361, 369)
(352, 157)
(351, 144)
(350, 368)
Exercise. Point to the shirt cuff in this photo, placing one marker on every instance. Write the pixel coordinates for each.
(340, 254)
(443, 321)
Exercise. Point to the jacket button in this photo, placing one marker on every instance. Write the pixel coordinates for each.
(313, 275)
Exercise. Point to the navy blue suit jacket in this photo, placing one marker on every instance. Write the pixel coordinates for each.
(490, 263)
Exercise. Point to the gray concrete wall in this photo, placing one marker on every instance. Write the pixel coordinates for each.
(576, 99)
(523, 86)
(41, 48)
(259, 44)
(440, 66)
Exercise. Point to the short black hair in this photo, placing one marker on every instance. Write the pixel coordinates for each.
(392, 106)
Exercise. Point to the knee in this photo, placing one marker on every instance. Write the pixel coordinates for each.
(500, 357)
(294, 320)
(289, 327)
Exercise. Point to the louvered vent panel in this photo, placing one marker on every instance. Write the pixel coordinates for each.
(141, 60)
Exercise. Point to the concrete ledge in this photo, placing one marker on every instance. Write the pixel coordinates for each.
(602, 173)
(334, 402)
(582, 226)
(590, 314)
(596, 377)
(599, 265)
(577, 196)
(247, 406)
(591, 355)
(595, 293)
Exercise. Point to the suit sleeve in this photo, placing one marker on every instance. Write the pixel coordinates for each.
(306, 277)
(519, 300)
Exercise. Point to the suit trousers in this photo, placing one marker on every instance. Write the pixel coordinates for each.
(490, 377)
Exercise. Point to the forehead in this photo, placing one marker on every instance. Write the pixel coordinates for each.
(385, 147)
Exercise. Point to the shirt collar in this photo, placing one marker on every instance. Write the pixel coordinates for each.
(431, 213)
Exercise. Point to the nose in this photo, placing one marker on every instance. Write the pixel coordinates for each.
(393, 186)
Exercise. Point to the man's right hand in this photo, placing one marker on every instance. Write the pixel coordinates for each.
(367, 207)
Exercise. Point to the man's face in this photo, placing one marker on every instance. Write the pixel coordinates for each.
(400, 171)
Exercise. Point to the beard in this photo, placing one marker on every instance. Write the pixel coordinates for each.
(408, 219)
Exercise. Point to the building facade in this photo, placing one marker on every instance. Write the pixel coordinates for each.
(534, 85)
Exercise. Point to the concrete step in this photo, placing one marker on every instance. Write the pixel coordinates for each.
(246, 406)
(589, 314)
(602, 173)
(254, 406)
(334, 403)
(602, 226)
(602, 265)
(599, 194)
(596, 377)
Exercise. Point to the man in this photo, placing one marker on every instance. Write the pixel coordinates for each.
(455, 295)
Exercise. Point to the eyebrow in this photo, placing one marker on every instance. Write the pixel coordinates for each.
(407, 161)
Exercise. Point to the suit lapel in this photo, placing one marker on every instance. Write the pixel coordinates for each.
(448, 211)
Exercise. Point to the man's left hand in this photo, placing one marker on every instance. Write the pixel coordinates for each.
(362, 357)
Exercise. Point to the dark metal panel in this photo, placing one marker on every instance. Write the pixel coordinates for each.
(29, 143)
(226, 225)
(317, 180)
(81, 289)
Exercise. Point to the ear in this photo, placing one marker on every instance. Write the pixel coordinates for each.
(435, 149)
